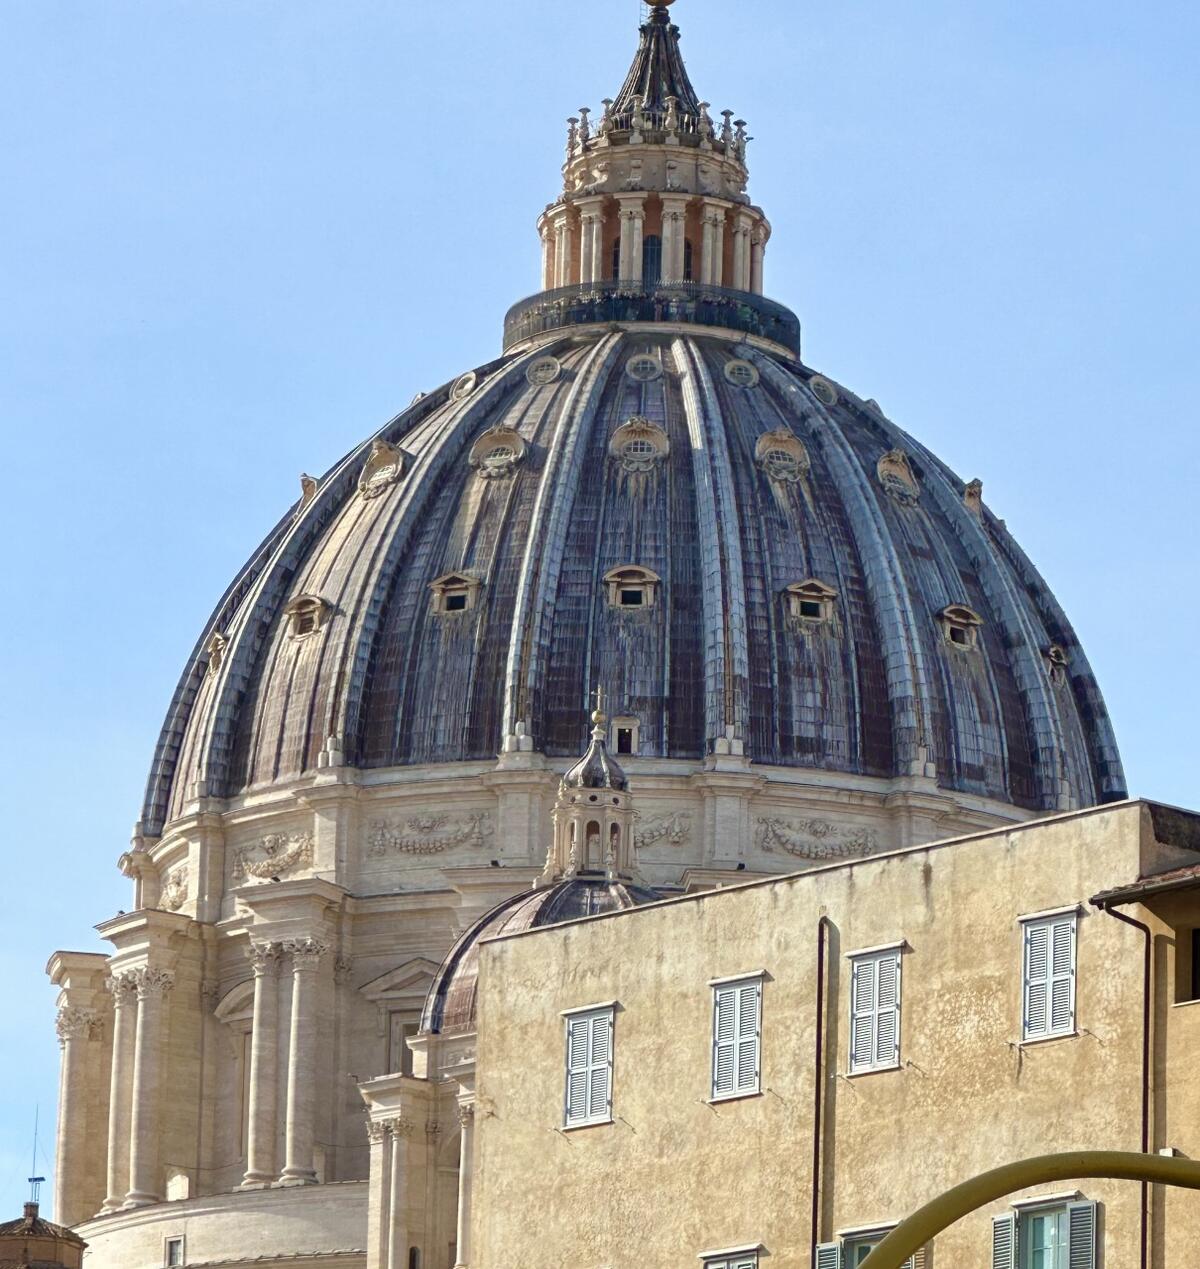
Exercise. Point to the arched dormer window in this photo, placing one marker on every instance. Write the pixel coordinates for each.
(639, 445)
(305, 615)
(782, 455)
(455, 593)
(497, 453)
(810, 602)
(631, 587)
(960, 626)
(896, 476)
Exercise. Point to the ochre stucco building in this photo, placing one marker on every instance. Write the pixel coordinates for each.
(811, 647)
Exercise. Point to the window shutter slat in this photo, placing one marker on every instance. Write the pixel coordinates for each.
(917, 1260)
(829, 1256)
(1004, 1242)
(1082, 1223)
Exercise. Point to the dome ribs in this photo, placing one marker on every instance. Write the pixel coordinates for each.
(726, 650)
(407, 510)
(909, 689)
(538, 585)
(1023, 639)
(879, 694)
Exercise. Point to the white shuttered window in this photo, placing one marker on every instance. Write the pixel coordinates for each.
(875, 1011)
(588, 1097)
(737, 1027)
(738, 1262)
(1049, 977)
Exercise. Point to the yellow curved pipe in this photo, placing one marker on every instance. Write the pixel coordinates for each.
(929, 1221)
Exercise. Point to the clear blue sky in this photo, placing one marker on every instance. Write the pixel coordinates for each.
(236, 237)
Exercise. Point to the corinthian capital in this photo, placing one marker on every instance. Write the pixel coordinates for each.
(305, 953)
(378, 1130)
(153, 982)
(263, 958)
(123, 988)
(466, 1113)
(73, 1023)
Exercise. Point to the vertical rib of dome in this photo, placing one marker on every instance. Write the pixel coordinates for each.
(909, 690)
(726, 654)
(447, 445)
(658, 72)
(1041, 711)
(543, 554)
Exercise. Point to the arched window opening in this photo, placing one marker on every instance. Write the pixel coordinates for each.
(616, 260)
(592, 855)
(652, 259)
(414, 1258)
(687, 260)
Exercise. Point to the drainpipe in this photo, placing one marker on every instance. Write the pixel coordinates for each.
(818, 1086)
(1146, 1026)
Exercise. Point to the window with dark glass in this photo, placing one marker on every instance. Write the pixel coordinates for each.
(652, 259)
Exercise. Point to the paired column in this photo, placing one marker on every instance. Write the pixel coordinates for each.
(741, 252)
(591, 240)
(633, 219)
(712, 265)
(144, 1129)
(76, 1027)
(261, 1164)
(387, 1216)
(306, 956)
(547, 257)
(466, 1165)
(673, 238)
(758, 247)
(124, 993)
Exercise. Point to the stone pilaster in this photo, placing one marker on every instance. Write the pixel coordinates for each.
(77, 1028)
(261, 1165)
(124, 993)
(306, 957)
(466, 1165)
(145, 1180)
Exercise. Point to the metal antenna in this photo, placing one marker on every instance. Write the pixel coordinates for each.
(35, 1182)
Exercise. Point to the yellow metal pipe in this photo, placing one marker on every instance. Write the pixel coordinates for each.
(927, 1222)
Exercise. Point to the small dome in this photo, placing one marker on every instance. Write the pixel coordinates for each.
(597, 769)
(450, 1004)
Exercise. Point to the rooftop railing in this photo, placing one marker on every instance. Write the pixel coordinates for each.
(620, 300)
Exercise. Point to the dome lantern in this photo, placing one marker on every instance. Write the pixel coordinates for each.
(654, 222)
(593, 814)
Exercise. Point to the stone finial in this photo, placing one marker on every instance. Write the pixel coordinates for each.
(585, 128)
(308, 489)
